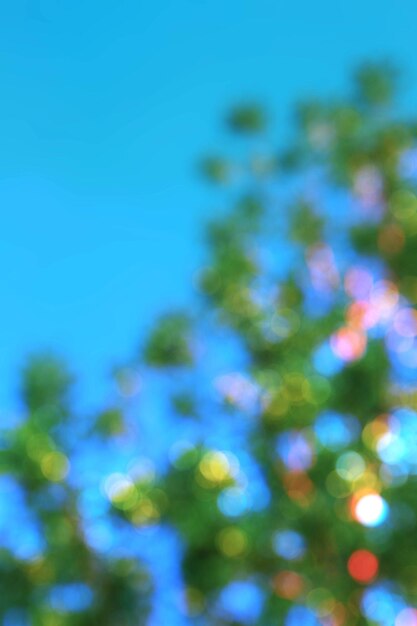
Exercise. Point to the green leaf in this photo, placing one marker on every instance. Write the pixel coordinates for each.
(247, 119)
(169, 343)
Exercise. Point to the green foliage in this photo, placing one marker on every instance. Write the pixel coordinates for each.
(376, 83)
(38, 456)
(45, 382)
(184, 404)
(316, 288)
(110, 422)
(215, 169)
(356, 154)
(247, 119)
(169, 342)
(306, 226)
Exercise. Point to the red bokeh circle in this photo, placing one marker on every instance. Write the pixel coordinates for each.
(363, 566)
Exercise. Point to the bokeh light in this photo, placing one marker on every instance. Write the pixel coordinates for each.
(363, 566)
(371, 510)
(406, 617)
(289, 544)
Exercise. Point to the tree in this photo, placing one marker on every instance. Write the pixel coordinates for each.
(50, 574)
(286, 462)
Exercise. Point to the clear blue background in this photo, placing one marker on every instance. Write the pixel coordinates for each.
(105, 107)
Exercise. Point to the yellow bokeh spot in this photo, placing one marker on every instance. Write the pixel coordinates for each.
(53, 619)
(55, 466)
(121, 491)
(125, 497)
(145, 513)
(374, 431)
(277, 404)
(321, 601)
(403, 205)
(297, 388)
(350, 466)
(215, 467)
(41, 571)
(232, 541)
(195, 601)
(367, 480)
(337, 487)
(37, 446)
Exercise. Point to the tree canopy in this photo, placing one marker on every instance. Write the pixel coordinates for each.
(258, 461)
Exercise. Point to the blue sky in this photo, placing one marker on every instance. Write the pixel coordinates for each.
(105, 107)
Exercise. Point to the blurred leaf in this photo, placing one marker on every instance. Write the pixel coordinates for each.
(110, 422)
(169, 342)
(46, 381)
(216, 169)
(247, 119)
(184, 404)
(376, 83)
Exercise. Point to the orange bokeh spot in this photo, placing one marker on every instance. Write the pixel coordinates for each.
(363, 566)
(391, 239)
(338, 616)
(358, 495)
(348, 344)
(360, 315)
(299, 487)
(288, 585)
